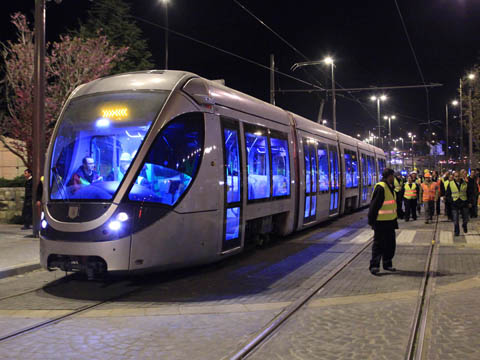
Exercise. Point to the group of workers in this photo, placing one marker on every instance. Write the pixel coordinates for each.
(459, 191)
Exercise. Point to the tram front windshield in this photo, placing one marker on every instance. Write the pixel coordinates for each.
(96, 142)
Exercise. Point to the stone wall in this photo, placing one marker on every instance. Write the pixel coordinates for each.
(11, 203)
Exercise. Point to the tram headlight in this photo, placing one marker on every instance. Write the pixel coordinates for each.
(123, 216)
(114, 225)
(44, 223)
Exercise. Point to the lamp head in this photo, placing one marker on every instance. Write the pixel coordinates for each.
(328, 60)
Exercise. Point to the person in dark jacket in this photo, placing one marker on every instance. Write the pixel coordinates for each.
(27, 212)
(436, 179)
(382, 217)
(473, 191)
(460, 198)
(398, 187)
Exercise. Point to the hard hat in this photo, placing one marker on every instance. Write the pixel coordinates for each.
(414, 172)
(125, 157)
(426, 171)
(428, 175)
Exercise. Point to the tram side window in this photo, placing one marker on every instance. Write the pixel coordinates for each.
(355, 176)
(381, 167)
(172, 161)
(257, 165)
(232, 165)
(364, 170)
(371, 170)
(322, 166)
(280, 166)
(351, 169)
(348, 169)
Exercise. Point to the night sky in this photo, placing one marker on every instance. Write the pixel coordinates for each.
(366, 39)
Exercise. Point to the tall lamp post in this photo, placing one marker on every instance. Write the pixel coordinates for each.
(453, 103)
(38, 126)
(165, 2)
(378, 99)
(470, 77)
(389, 118)
(329, 61)
(412, 136)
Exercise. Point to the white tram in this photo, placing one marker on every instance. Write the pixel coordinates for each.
(164, 169)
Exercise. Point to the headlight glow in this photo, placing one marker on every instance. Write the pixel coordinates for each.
(44, 223)
(122, 217)
(114, 225)
(42, 216)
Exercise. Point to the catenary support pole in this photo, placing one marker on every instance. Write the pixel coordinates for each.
(38, 126)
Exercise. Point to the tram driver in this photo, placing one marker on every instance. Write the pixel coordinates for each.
(85, 174)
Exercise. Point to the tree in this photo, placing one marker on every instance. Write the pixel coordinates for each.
(68, 63)
(112, 18)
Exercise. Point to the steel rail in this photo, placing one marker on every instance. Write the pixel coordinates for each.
(419, 320)
(57, 319)
(271, 327)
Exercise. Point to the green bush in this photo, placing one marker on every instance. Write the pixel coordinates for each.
(19, 181)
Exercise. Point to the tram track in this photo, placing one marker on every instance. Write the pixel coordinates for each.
(419, 319)
(267, 331)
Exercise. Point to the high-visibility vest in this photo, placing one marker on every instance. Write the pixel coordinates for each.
(388, 211)
(429, 191)
(445, 184)
(397, 185)
(458, 194)
(410, 191)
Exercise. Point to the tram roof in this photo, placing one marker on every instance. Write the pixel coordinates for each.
(140, 80)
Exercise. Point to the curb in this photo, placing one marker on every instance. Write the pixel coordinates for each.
(19, 269)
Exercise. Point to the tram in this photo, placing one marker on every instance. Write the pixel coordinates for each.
(165, 169)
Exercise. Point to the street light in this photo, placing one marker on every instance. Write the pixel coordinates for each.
(165, 2)
(453, 103)
(389, 118)
(329, 61)
(378, 99)
(471, 77)
(412, 136)
(324, 122)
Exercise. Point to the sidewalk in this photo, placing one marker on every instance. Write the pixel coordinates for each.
(19, 253)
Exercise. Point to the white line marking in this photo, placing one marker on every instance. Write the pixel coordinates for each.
(446, 237)
(406, 236)
(362, 238)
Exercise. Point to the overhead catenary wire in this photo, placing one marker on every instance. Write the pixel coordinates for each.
(301, 54)
(415, 58)
(225, 51)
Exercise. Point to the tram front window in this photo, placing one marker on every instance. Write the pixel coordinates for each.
(96, 142)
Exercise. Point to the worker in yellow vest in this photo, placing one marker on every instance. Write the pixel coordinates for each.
(410, 197)
(457, 195)
(417, 181)
(428, 196)
(382, 217)
(443, 192)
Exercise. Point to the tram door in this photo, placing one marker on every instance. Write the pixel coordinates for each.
(309, 152)
(334, 179)
(232, 219)
(364, 179)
